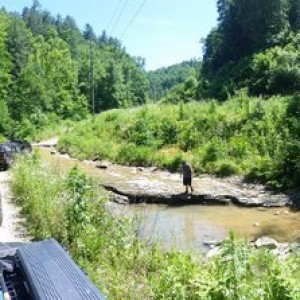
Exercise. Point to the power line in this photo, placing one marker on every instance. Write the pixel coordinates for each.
(119, 16)
(133, 18)
(114, 14)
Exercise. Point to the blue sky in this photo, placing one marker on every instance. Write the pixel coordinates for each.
(164, 32)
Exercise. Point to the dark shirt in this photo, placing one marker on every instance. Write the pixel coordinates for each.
(187, 170)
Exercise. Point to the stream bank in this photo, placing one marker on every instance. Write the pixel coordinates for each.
(151, 185)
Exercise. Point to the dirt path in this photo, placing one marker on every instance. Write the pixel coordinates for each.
(12, 229)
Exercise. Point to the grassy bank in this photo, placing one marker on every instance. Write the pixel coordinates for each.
(71, 208)
(254, 137)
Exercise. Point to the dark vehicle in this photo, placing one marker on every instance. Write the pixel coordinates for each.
(43, 270)
(6, 156)
(20, 145)
(1, 210)
(9, 149)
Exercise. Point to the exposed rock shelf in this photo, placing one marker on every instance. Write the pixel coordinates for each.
(151, 185)
(120, 195)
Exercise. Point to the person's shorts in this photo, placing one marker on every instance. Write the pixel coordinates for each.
(187, 181)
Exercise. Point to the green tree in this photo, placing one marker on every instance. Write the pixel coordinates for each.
(50, 87)
(245, 28)
(162, 80)
(5, 57)
(294, 15)
(5, 119)
(19, 44)
(70, 33)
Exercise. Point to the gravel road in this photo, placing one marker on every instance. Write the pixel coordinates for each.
(12, 229)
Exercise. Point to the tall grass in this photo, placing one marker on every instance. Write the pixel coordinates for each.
(72, 208)
(247, 136)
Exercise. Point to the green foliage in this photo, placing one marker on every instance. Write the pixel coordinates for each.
(4, 117)
(131, 154)
(249, 136)
(183, 92)
(243, 274)
(5, 58)
(51, 70)
(226, 168)
(163, 80)
(276, 71)
(258, 51)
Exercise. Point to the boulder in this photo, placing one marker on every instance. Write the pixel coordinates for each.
(266, 242)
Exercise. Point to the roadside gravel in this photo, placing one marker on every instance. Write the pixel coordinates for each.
(12, 229)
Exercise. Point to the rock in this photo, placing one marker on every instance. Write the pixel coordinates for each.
(262, 209)
(282, 251)
(140, 169)
(266, 242)
(53, 152)
(212, 244)
(113, 197)
(213, 252)
(101, 166)
(295, 247)
(256, 224)
(154, 169)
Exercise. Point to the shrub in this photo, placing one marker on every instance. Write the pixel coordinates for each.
(226, 168)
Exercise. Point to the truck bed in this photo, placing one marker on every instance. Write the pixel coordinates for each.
(44, 270)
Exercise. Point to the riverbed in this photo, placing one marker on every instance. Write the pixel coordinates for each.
(188, 226)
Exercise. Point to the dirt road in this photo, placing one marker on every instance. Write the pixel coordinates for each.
(12, 229)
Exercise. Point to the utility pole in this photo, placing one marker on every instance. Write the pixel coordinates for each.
(92, 76)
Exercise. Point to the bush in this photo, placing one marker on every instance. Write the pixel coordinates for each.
(226, 168)
(130, 154)
(252, 133)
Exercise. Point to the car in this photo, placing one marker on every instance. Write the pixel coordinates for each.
(1, 210)
(20, 145)
(9, 149)
(6, 156)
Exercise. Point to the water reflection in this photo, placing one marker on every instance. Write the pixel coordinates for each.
(189, 227)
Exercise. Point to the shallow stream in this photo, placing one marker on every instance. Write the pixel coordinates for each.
(187, 227)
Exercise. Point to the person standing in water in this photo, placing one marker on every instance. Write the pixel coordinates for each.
(187, 174)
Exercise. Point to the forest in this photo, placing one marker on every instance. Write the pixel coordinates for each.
(255, 46)
(50, 70)
(162, 80)
(256, 52)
